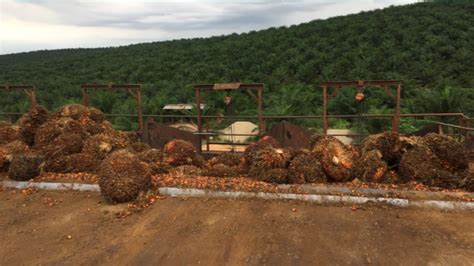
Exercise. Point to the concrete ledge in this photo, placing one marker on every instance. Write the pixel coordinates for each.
(316, 198)
(321, 199)
(374, 192)
(51, 186)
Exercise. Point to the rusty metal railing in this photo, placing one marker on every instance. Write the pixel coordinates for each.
(464, 124)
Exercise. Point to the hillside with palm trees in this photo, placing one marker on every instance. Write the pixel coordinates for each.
(428, 45)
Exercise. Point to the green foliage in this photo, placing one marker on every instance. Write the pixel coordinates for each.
(442, 100)
(340, 124)
(428, 45)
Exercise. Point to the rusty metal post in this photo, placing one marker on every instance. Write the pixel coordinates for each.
(137, 94)
(138, 98)
(32, 96)
(468, 133)
(396, 115)
(325, 111)
(198, 109)
(261, 126)
(85, 97)
(207, 136)
(461, 124)
(199, 118)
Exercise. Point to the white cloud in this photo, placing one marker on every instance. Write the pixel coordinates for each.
(51, 24)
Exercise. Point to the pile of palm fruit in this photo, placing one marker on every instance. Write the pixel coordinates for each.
(434, 160)
(79, 139)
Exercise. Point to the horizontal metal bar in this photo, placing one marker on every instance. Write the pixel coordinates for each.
(342, 135)
(455, 126)
(284, 116)
(224, 134)
(16, 87)
(242, 86)
(228, 143)
(111, 86)
(159, 116)
(365, 83)
(295, 116)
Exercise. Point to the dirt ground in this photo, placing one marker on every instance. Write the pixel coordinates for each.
(59, 228)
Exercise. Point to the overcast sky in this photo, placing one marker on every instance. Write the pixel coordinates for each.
(52, 24)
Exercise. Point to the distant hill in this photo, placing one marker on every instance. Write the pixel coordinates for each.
(429, 45)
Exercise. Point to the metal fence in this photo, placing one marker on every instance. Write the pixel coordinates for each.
(211, 139)
(462, 127)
